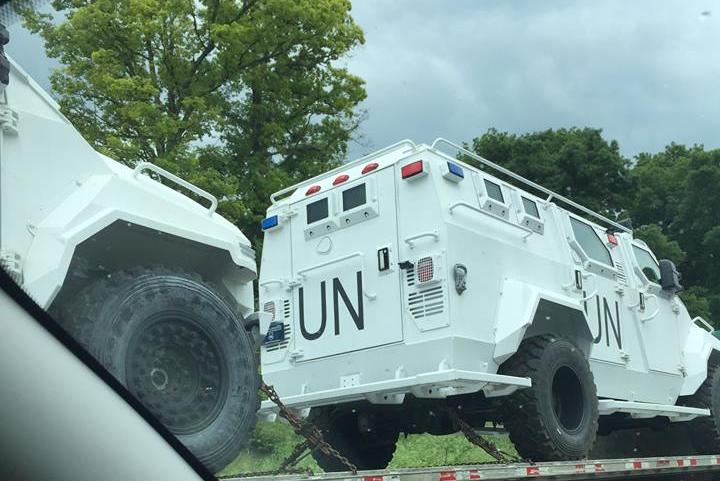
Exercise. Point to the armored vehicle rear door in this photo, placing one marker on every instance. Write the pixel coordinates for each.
(346, 291)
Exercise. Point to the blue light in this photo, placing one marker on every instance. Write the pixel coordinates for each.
(456, 170)
(269, 223)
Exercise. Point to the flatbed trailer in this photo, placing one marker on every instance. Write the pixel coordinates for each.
(668, 467)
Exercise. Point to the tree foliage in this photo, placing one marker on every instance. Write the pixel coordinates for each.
(671, 196)
(232, 94)
(577, 163)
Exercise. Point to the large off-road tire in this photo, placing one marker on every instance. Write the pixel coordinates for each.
(180, 348)
(705, 431)
(557, 418)
(373, 450)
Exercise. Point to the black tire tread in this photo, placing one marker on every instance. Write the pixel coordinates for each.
(376, 455)
(78, 318)
(526, 428)
(705, 432)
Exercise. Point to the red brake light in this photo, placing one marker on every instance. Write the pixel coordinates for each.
(425, 269)
(370, 167)
(612, 239)
(313, 189)
(412, 169)
(340, 179)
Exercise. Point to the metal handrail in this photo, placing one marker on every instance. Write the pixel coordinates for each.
(192, 188)
(530, 183)
(705, 324)
(377, 153)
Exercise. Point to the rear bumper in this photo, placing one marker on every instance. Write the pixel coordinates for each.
(438, 384)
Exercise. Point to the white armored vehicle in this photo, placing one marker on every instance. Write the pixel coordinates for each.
(158, 287)
(409, 282)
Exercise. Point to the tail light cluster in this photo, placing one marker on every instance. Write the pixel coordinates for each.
(269, 307)
(425, 270)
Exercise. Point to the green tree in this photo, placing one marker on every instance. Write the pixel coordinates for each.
(676, 190)
(576, 163)
(168, 80)
(671, 196)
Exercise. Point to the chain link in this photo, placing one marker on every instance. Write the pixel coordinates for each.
(314, 440)
(312, 434)
(472, 436)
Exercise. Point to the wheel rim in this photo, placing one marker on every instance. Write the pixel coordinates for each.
(568, 398)
(173, 366)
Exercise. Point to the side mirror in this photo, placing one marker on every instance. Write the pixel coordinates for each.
(670, 277)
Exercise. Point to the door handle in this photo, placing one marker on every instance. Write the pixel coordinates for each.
(434, 234)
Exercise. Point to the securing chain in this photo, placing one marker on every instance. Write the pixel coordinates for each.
(314, 440)
(472, 436)
(312, 434)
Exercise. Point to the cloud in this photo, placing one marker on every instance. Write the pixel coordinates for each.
(645, 71)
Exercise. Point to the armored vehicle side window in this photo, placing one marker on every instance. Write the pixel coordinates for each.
(530, 207)
(494, 191)
(354, 197)
(647, 264)
(317, 210)
(590, 242)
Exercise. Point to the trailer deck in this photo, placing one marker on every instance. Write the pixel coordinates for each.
(687, 467)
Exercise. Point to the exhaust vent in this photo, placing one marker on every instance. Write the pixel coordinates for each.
(426, 302)
(621, 277)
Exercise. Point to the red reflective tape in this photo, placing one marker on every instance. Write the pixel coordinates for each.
(637, 464)
(680, 462)
(532, 470)
(447, 476)
(662, 463)
(373, 478)
(473, 474)
(579, 468)
(599, 468)
(693, 462)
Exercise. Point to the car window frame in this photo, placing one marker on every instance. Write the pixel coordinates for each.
(637, 262)
(572, 218)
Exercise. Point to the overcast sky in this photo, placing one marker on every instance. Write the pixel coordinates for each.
(646, 72)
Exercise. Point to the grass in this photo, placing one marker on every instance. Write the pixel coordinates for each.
(271, 443)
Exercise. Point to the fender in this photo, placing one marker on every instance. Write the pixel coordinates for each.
(105, 199)
(700, 345)
(516, 315)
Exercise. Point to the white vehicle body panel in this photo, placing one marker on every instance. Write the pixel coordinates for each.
(528, 273)
(58, 192)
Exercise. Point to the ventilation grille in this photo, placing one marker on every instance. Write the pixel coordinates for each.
(277, 346)
(426, 302)
(621, 278)
(410, 276)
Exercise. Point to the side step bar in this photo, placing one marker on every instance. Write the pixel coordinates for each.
(437, 385)
(639, 410)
